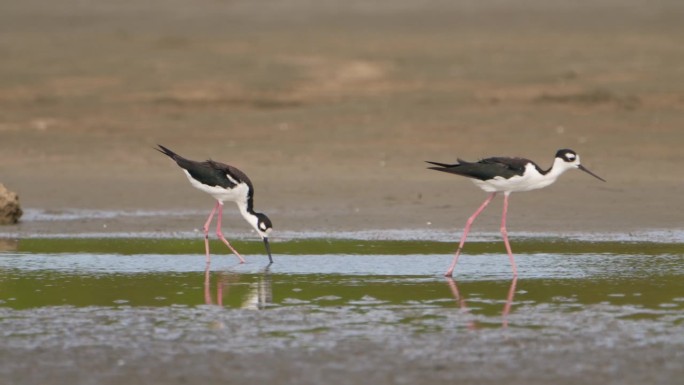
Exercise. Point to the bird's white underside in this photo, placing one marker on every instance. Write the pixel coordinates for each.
(238, 194)
(531, 179)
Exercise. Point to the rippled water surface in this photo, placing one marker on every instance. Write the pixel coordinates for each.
(129, 301)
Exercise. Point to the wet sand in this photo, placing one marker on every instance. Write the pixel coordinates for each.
(376, 348)
(331, 109)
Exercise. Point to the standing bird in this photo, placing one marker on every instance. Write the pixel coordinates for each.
(224, 183)
(507, 175)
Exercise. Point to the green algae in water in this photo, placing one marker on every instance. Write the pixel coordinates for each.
(640, 280)
(129, 246)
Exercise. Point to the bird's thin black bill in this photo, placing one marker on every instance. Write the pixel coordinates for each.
(268, 249)
(590, 173)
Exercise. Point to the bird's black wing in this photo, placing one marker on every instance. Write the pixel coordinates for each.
(209, 172)
(508, 167)
(485, 169)
(225, 175)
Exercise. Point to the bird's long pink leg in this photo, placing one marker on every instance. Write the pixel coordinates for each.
(504, 233)
(206, 231)
(219, 233)
(469, 223)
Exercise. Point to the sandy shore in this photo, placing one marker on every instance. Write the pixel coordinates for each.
(332, 110)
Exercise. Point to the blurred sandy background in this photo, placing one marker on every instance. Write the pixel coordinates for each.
(331, 107)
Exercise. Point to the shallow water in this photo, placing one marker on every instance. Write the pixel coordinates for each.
(589, 300)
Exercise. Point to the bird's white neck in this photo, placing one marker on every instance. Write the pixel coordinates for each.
(249, 216)
(559, 167)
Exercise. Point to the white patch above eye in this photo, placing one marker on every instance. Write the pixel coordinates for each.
(262, 225)
(231, 179)
(570, 156)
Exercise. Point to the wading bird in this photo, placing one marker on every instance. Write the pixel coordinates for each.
(507, 175)
(224, 183)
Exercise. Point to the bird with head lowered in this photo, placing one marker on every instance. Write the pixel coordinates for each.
(224, 183)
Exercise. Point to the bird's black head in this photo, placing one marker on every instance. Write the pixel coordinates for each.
(569, 159)
(264, 225)
(567, 155)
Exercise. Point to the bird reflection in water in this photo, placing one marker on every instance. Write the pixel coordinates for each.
(461, 301)
(259, 294)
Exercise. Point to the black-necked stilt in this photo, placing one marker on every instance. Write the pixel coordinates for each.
(224, 183)
(507, 175)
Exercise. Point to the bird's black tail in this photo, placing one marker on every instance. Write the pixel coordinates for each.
(167, 152)
(440, 165)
